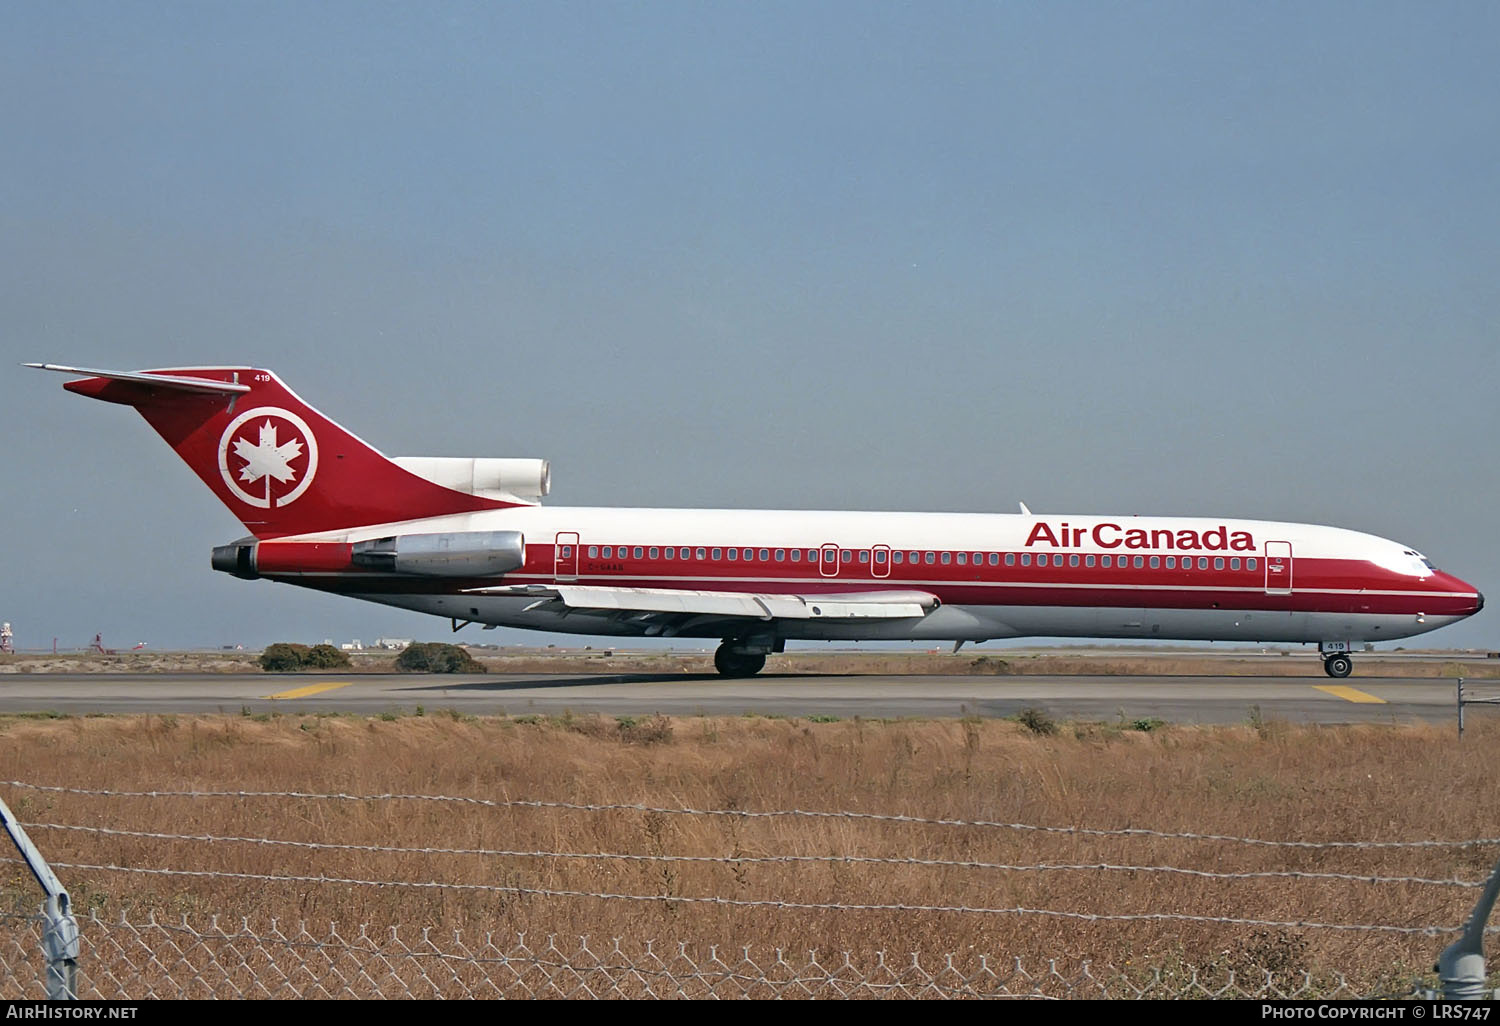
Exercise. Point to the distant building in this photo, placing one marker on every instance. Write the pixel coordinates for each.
(394, 644)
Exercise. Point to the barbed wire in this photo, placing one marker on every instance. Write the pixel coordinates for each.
(765, 859)
(1427, 931)
(763, 814)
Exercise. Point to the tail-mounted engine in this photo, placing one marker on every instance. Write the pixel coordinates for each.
(452, 554)
(507, 480)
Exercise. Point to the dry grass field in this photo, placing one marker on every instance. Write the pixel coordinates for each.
(1264, 780)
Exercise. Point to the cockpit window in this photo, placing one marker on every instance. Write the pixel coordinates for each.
(1407, 561)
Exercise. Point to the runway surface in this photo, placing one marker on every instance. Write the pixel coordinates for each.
(1197, 699)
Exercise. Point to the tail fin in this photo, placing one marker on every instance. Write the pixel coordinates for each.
(279, 465)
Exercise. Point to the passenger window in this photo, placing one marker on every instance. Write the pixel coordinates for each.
(1041, 560)
(947, 558)
(718, 553)
(1025, 559)
(1072, 560)
(1106, 561)
(930, 558)
(567, 551)
(896, 557)
(1234, 564)
(655, 552)
(608, 551)
(1202, 562)
(994, 559)
(1010, 559)
(864, 555)
(701, 553)
(734, 553)
(1140, 561)
(796, 555)
(1171, 562)
(669, 552)
(1250, 564)
(916, 557)
(781, 555)
(1218, 562)
(812, 555)
(963, 559)
(593, 551)
(1155, 562)
(1088, 560)
(846, 556)
(765, 554)
(880, 556)
(638, 552)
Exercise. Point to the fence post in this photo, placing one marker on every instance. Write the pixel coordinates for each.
(1461, 965)
(1460, 708)
(60, 943)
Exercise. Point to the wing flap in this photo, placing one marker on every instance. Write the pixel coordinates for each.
(873, 605)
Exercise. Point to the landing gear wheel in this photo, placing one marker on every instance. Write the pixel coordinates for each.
(737, 664)
(1338, 665)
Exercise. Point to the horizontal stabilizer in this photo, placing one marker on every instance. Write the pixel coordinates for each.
(177, 383)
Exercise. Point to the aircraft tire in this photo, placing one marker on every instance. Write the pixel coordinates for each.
(1338, 666)
(736, 664)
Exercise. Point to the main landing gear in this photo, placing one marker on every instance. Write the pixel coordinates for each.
(1337, 664)
(745, 657)
(730, 663)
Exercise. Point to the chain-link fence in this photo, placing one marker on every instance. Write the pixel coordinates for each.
(1288, 919)
(125, 960)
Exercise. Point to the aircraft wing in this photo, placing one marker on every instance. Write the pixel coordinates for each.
(662, 604)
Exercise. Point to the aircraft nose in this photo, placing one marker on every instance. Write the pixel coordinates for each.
(1479, 604)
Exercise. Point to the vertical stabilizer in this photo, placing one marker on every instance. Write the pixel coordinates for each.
(279, 465)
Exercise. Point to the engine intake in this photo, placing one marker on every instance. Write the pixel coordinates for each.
(456, 554)
(509, 480)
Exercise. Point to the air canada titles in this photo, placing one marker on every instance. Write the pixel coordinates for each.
(1113, 536)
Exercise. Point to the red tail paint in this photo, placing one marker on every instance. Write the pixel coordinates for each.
(279, 465)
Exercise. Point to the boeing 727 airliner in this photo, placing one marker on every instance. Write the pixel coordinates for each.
(468, 539)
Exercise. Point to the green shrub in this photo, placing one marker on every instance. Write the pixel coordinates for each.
(434, 657)
(1038, 721)
(283, 657)
(326, 657)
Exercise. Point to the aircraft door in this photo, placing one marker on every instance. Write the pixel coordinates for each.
(880, 561)
(1278, 568)
(565, 556)
(828, 561)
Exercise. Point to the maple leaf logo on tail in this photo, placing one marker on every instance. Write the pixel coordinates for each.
(282, 439)
(268, 460)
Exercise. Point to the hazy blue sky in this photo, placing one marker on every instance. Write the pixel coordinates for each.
(1188, 258)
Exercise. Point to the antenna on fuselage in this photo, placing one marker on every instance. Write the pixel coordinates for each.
(1025, 510)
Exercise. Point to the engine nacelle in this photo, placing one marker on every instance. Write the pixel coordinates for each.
(455, 554)
(505, 479)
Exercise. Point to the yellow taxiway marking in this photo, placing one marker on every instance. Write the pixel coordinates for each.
(1349, 694)
(311, 689)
